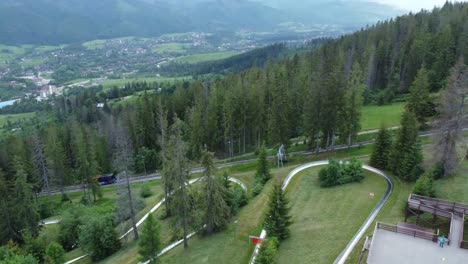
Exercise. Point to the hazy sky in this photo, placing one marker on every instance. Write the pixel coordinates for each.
(413, 5)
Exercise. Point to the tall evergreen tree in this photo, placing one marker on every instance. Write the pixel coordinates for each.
(217, 211)
(277, 219)
(263, 170)
(177, 168)
(420, 102)
(150, 244)
(381, 154)
(406, 156)
(26, 211)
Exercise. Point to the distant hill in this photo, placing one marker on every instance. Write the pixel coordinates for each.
(69, 21)
(349, 13)
(54, 21)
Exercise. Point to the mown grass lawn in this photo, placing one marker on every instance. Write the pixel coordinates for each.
(373, 116)
(325, 219)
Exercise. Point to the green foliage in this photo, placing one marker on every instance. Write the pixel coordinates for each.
(406, 156)
(11, 254)
(337, 173)
(420, 102)
(268, 251)
(330, 176)
(217, 211)
(258, 186)
(98, 237)
(381, 153)
(54, 254)
(72, 220)
(145, 191)
(263, 170)
(277, 219)
(424, 185)
(239, 199)
(34, 246)
(150, 244)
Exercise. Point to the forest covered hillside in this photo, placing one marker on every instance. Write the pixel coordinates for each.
(316, 97)
(58, 22)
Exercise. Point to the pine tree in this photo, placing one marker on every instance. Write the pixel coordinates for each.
(26, 211)
(353, 104)
(217, 211)
(150, 244)
(381, 153)
(406, 156)
(420, 102)
(177, 169)
(263, 170)
(277, 219)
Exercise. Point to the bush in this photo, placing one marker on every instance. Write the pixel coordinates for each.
(45, 210)
(54, 254)
(341, 173)
(70, 225)
(268, 251)
(239, 199)
(330, 176)
(145, 191)
(9, 255)
(424, 185)
(258, 186)
(98, 237)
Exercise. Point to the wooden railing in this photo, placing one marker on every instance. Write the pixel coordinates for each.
(434, 202)
(463, 243)
(408, 231)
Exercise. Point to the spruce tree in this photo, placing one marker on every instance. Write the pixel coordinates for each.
(176, 168)
(263, 171)
(277, 220)
(217, 211)
(150, 244)
(381, 153)
(420, 102)
(406, 156)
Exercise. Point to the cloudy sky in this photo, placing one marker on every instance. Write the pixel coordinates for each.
(413, 5)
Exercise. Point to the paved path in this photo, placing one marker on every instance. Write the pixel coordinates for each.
(390, 248)
(456, 230)
(349, 248)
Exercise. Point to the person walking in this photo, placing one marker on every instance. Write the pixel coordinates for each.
(441, 241)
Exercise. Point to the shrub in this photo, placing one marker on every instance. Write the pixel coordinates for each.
(98, 237)
(330, 176)
(54, 254)
(341, 173)
(424, 185)
(145, 191)
(258, 186)
(45, 210)
(239, 199)
(268, 251)
(70, 225)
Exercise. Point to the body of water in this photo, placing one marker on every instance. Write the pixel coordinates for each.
(7, 103)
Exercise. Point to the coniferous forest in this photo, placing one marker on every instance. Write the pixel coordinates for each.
(318, 94)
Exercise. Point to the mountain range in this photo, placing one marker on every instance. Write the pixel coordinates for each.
(69, 21)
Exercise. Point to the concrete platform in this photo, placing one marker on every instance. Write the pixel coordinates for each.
(390, 248)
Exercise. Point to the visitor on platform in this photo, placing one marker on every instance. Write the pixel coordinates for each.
(441, 241)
